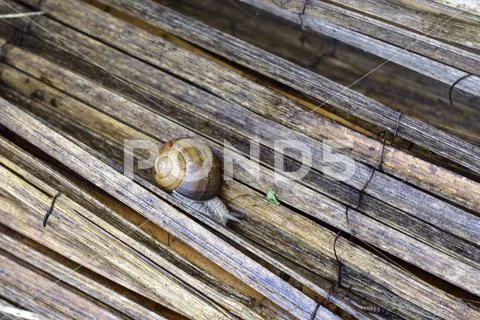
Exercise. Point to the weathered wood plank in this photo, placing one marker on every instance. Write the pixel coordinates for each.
(399, 307)
(431, 49)
(364, 149)
(239, 117)
(315, 263)
(400, 37)
(329, 246)
(444, 188)
(44, 74)
(233, 191)
(338, 216)
(41, 308)
(300, 79)
(424, 17)
(16, 247)
(228, 85)
(135, 238)
(305, 196)
(158, 211)
(72, 235)
(8, 309)
(300, 240)
(66, 302)
(471, 6)
(438, 71)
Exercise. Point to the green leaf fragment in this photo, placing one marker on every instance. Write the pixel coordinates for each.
(272, 198)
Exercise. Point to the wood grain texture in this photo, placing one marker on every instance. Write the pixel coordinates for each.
(7, 309)
(237, 118)
(471, 6)
(304, 197)
(364, 149)
(158, 211)
(236, 193)
(17, 248)
(408, 92)
(346, 15)
(69, 232)
(383, 197)
(137, 239)
(362, 263)
(417, 42)
(425, 17)
(100, 126)
(300, 203)
(45, 295)
(300, 79)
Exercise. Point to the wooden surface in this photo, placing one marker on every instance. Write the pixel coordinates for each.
(165, 216)
(321, 89)
(408, 92)
(88, 76)
(303, 196)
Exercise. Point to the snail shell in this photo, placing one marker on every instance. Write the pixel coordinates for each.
(189, 169)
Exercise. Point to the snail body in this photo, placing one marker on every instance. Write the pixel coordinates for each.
(191, 172)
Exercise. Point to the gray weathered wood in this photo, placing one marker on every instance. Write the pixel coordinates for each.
(424, 45)
(28, 162)
(75, 279)
(424, 17)
(300, 202)
(161, 213)
(129, 234)
(301, 79)
(44, 294)
(73, 235)
(237, 117)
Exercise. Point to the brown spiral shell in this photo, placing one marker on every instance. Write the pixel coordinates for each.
(188, 167)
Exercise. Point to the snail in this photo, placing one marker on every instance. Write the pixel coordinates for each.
(188, 169)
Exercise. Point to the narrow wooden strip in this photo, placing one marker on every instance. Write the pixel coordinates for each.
(76, 280)
(28, 161)
(435, 179)
(20, 15)
(448, 225)
(399, 55)
(424, 207)
(65, 300)
(294, 76)
(364, 149)
(403, 38)
(235, 192)
(176, 59)
(7, 309)
(407, 191)
(424, 17)
(340, 213)
(471, 6)
(25, 299)
(458, 62)
(158, 211)
(315, 239)
(6, 303)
